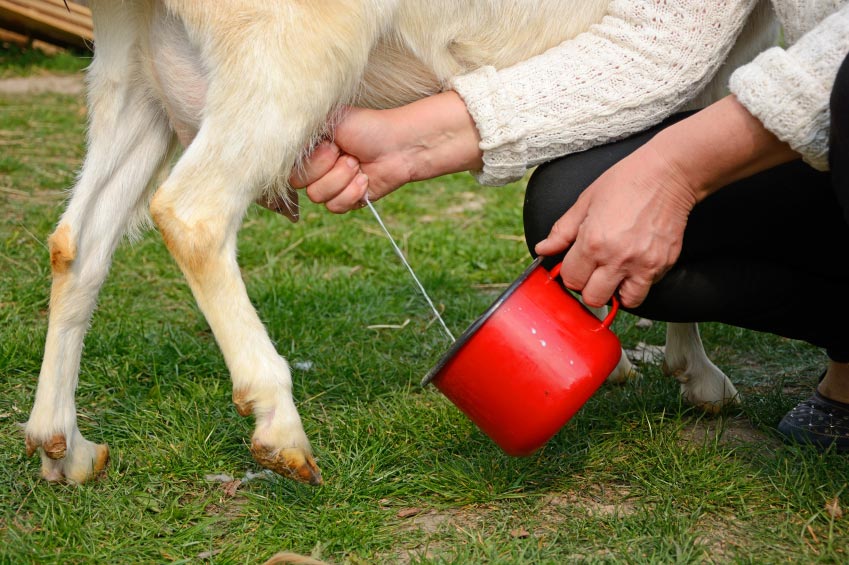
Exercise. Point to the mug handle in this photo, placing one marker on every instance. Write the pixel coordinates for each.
(614, 308)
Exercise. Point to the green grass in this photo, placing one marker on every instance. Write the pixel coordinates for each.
(18, 61)
(635, 477)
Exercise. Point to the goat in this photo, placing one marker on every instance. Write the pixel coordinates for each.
(245, 87)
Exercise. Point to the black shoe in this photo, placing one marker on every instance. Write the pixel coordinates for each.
(818, 421)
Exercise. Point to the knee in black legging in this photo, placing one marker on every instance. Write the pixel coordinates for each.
(839, 101)
(552, 189)
(838, 151)
(555, 186)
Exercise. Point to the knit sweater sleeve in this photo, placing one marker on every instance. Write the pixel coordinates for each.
(789, 90)
(644, 60)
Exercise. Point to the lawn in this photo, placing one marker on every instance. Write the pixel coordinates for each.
(635, 477)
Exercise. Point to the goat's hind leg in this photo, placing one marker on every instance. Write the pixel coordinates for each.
(128, 141)
(703, 384)
(199, 210)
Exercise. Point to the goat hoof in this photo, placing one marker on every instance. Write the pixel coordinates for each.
(293, 462)
(712, 408)
(715, 407)
(58, 465)
(32, 446)
(679, 374)
(623, 372)
(244, 407)
(89, 469)
(619, 377)
(55, 448)
(102, 458)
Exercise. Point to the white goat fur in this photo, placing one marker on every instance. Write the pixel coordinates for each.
(245, 86)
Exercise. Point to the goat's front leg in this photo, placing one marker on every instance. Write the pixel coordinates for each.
(276, 73)
(703, 384)
(198, 211)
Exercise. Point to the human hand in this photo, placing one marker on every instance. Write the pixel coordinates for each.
(375, 152)
(625, 231)
(364, 157)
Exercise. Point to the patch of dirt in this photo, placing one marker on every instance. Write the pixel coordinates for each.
(428, 526)
(60, 84)
(605, 500)
(719, 536)
(432, 521)
(731, 430)
(466, 202)
(227, 507)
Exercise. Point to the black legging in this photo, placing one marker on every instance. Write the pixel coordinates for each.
(768, 253)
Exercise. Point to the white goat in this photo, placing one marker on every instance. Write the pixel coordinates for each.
(244, 86)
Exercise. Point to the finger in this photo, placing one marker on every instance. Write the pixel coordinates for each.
(563, 232)
(632, 292)
(600, 287)
(352, 198)
(316, 165)
(576, 269)
(334, 181)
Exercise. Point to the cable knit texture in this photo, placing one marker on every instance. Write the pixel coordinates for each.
(788, 91)
(642, 62)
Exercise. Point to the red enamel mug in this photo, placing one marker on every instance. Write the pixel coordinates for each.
(528, 363)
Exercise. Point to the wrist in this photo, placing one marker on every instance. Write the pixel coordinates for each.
(719, 145)
(671, 179)
(674, 162)
(438, 137)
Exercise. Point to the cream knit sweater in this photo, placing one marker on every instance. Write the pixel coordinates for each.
(648, 59)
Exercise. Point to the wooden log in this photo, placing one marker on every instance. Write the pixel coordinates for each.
(7, 36)
(57, 10)
(39, 19)
(14, 38)
(72, 6)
